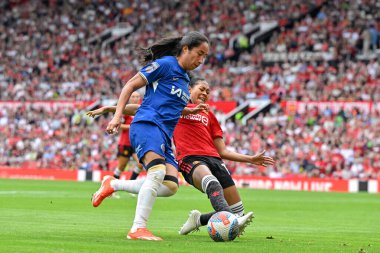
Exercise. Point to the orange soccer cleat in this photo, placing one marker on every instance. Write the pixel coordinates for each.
(143, 234)
(104, 191)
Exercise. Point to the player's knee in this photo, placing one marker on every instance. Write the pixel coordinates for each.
(156, 170)
(171, 183)
(210, 180)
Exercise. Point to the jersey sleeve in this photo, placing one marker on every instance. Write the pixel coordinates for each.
(155, 70)
(216, 130)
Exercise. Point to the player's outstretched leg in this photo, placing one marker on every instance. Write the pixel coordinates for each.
(244, 221)
(135, 173)
(104, 191)
(168, 187)
(192, 223)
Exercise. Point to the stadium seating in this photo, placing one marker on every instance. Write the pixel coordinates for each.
(48, 54)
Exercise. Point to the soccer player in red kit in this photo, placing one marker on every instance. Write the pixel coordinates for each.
(200, 149)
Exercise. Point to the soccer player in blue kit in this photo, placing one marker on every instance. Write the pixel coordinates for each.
(167, 94)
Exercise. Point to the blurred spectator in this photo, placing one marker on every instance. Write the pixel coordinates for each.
(312, 144)
(46, 52)
(61, 138)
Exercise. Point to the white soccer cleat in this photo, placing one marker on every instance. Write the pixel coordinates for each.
(192, 223)
(244, 221)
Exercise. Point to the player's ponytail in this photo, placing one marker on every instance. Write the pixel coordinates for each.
(163, 47)
(171, 46)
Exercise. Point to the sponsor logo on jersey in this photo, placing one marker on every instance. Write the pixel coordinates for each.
(196, 117)
(180, 93)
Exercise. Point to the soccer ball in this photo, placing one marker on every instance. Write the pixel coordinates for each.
(223, 226)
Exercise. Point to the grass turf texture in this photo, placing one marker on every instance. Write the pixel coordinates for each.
(51, 216)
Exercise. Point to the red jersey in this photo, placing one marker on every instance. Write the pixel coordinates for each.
(124, 135)
(194, 134)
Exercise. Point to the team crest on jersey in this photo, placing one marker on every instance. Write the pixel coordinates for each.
(152, 67)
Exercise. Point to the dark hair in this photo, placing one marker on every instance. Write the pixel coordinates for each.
(195, 79)
(171, 46)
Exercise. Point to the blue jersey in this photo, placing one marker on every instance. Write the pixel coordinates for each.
(166, 95)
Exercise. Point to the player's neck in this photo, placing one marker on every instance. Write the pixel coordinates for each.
(180, 63)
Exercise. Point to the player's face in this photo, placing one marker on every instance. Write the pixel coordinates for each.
(191, 59)
(200, 92)
(135, 98)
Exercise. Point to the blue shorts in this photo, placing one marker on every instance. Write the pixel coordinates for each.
(146, 136)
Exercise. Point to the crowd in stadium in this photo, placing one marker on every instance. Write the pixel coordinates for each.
(46, 55)
(313, 144)
(60, 138)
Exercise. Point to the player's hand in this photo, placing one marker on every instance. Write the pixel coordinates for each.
(113, 126)
(199, 108)
(262, 160)
(96, 112)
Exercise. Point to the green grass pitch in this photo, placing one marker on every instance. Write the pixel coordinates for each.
(52, 216)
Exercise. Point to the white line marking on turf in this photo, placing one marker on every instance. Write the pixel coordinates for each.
(25, 192)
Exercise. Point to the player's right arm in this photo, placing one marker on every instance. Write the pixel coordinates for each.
(129, 109)
(124, 126)
(133, 84)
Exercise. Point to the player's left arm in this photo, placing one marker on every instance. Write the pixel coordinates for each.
(257, 159)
